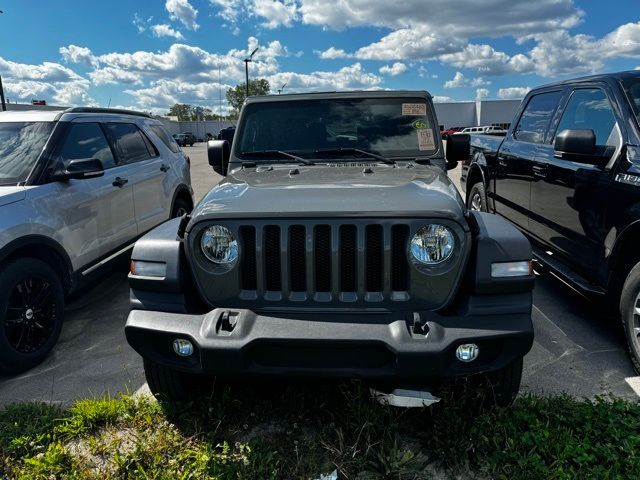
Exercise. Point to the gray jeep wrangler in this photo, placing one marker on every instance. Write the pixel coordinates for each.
(334, 246)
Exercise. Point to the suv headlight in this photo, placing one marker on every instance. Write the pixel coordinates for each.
(432, 244)
(219, 245)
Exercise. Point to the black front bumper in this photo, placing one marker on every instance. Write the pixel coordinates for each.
(350, 345)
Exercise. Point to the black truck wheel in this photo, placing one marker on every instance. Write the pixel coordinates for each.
(172, 385)
(630, 313)
(31, 313)
(180, 208)
(477, 198)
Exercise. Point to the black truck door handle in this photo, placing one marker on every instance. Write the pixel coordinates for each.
(120, 182)
(540, 171)
(164, 168)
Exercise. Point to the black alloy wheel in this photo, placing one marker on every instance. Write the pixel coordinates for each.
(31, 313)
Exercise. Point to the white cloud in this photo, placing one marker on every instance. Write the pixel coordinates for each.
(75, 54)
(482, 93)
(394, 70)
(140, 23)
(183, 11)
(415, 44)
(333, 53)
(352, 77)
(486, 59)
(513, 93)
(461, 18)
(274, 12)
(113, 76)
(459, 80)
(229, 9)
(164, 30)
(48, 81)
(442, 99)
(164, 93)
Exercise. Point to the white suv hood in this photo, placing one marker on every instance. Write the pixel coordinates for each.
(11, 195)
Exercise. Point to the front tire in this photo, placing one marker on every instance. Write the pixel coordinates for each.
(180, 207)
(477, 200)
(172, 385)
(31, 313)
(630, 314)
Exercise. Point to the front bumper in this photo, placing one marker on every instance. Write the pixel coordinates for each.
(237, 342)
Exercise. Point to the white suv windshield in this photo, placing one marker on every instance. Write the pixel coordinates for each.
(391, 127)
(20, 146)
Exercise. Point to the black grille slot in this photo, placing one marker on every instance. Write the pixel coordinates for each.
(399, 265)
(322, 251)
(272, 258)
(348, 251)
(374, 258)
(248, 266)
(297, 266)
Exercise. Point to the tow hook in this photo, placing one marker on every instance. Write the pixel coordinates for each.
(227, 322)
(419, 326)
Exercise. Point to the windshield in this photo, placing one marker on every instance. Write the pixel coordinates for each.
(390, 127)
(632, 88)
(20, 146)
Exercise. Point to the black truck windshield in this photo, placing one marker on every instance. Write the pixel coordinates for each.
(20, 146)
(388, 127)
(632, 88)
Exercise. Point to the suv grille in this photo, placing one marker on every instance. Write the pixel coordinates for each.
(302, 261)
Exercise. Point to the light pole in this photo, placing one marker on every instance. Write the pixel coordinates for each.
(281, 89)
(246, 67)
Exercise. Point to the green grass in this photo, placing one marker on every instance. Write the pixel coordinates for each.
(273, 431)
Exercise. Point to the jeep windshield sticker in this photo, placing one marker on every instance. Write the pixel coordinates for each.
(414, 109)
(425, 139)
(419, 124)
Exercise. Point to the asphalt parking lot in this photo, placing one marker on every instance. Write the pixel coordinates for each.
(575, 351)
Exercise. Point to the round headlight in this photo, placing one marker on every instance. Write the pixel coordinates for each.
(219, 245)
(432, 244)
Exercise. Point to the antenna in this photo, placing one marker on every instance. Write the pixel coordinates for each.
(281, 89)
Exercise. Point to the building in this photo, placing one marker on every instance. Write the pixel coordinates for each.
(476, 114)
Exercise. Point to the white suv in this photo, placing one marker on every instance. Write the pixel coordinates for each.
(77, 188)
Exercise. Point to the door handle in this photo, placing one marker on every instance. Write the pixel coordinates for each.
(502, 163)
(164, 168)
(120, 182)
(540, 171)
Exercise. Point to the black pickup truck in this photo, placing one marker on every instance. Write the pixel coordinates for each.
(567, 173)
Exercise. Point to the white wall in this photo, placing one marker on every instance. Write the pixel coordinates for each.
(475, 114)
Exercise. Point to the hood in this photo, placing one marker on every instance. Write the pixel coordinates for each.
(334, 190)
(11, 195)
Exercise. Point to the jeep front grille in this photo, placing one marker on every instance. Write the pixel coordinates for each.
(300, 261)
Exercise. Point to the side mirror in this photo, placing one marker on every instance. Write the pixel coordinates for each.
(79, 169)
(579, 145)
(218, 152)
(458, 149)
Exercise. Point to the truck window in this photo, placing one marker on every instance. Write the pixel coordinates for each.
(589, 108)
(130, 142)
(86, 140)
(392, 127)
(535, 119)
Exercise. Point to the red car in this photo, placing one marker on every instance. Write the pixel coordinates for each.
(451, 131)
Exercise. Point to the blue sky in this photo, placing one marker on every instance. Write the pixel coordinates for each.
(149, 55)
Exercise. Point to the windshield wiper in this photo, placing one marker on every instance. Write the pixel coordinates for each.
(267, 153)
(331, 151)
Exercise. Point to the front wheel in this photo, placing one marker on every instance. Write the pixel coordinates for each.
(180, 208)
(173, 385)
(477, 198)
(31, 313)
(630, 313)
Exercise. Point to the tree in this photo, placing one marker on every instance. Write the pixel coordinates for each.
(183, 111)
(237, 95)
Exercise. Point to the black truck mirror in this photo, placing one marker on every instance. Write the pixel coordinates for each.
(458, 149)
(575, 142)
(218, 152)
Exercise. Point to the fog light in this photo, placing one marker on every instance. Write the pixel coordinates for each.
(182, 347)
(148, 269)
(467, 352)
